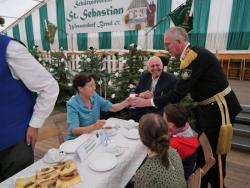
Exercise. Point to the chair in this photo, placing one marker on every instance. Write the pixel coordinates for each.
(54, 128)
(51, 135)
(194, 181)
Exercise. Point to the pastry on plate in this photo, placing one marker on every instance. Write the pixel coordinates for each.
(68, 174)
(27, 182)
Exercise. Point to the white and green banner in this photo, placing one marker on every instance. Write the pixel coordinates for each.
(95, 16)
(114, 24)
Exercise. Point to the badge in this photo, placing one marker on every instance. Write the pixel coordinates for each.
(186, 74)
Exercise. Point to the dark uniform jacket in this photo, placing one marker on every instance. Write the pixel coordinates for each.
(203, 78)
(166, 83)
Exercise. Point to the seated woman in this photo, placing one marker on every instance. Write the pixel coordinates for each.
(183, 138)
(83, 109)
(163, 166)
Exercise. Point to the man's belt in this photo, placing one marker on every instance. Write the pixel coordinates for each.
(212, 99)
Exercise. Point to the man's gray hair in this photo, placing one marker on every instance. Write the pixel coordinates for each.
(154, 58)
(178, 32)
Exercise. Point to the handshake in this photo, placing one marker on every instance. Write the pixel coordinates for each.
(140, 100)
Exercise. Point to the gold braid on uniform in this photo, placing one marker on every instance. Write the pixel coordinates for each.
(189, 56)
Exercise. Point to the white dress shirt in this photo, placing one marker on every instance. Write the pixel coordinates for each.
(153, 84)
(36, 78)
(183, 52)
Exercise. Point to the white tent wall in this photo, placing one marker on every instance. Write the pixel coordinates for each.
(23, 36)
(218, 24)
(117, 40)
(36, 27)
(51, 8)
(216, 38)
(10, 33)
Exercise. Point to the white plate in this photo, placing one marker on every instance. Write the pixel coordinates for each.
(69, 146)
(102, 162)
(130, 124)
(117, 152)
(131, 134)
(114, 149)
(116, 122)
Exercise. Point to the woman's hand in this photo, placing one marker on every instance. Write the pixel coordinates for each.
(99, 124)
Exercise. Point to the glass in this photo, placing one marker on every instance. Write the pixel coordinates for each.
(132, 94)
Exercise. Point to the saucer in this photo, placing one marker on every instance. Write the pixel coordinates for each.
(102, 162)
(131, 124)
(114, 149)
(117, 151)
(132, 134)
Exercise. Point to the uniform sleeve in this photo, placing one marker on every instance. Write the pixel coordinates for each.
(36, 78)
(105, 105)
(183, 86)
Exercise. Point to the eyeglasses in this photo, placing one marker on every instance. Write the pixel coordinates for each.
(90, 85)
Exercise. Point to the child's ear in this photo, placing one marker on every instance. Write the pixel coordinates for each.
(171, 126)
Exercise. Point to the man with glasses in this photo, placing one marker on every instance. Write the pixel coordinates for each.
(202, 77)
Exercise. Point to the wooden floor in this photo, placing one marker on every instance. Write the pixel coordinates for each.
(238, 162)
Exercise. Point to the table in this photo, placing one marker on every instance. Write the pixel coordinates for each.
(118, 177)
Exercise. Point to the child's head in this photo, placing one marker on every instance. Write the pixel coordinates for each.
(175, 115)
(154, 134)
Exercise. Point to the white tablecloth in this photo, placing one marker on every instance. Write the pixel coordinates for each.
(118, 177)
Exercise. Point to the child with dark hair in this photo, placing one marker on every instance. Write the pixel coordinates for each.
(162, 167)
(183, 138)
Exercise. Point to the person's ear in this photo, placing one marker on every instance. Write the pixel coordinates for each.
(178, 41)
(79, 88)
(171, 126)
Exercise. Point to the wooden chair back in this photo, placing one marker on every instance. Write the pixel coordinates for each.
(55, 128)
(208, 154)
(194, 180)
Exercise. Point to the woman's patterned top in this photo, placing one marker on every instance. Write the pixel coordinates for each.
(153, 174)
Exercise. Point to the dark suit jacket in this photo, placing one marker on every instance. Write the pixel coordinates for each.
(166, 82)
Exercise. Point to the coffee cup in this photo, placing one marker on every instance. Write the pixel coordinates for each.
(53, 154)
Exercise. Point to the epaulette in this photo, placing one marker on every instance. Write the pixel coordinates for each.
(190, 55)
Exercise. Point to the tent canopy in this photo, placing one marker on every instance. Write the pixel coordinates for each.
(212, 28)
(12, 10)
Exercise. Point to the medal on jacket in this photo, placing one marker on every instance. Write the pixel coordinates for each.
(186, 74)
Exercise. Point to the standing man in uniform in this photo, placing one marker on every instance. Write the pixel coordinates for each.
(202, 77)
(21, 112)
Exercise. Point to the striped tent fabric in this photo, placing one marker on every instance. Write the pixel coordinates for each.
(212, 28)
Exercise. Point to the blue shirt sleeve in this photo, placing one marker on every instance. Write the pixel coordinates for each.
(105, 105)
(73, 120)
